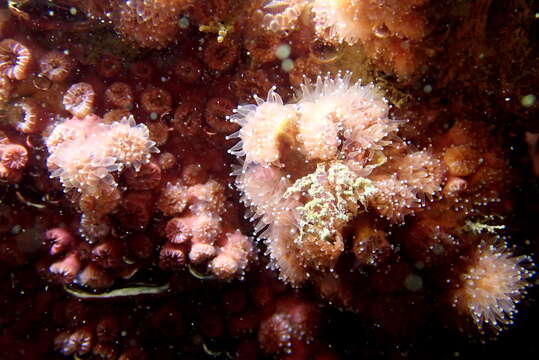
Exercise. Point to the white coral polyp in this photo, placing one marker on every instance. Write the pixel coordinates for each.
(129, 143)
(232, 258)
(82, 150)
(492, 286)
(318, 132)
(333, 109)
(330, 113)
(262, 128)
(350, 100)
(263, 189)
(83, 170)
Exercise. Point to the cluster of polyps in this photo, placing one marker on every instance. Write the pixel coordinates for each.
(84, 155)
(200, 233)
(311, 167)
(390, 31)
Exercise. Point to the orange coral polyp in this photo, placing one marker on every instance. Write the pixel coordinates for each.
(15, 59)
(79, 99)
(25, 116)
(119, 94)
(13, 156)
(56, 66)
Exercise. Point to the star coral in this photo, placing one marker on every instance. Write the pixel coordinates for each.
(56, 66)
(13, 160)
(79, 99)
(25, 115)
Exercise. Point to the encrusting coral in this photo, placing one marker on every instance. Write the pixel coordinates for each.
(152, 23)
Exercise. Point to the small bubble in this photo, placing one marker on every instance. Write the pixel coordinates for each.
(153, 116)
(183, 23)
(287, 65)
(283, 51)
(381, 32)
(73, 11)
(438, 249)
(528, 100)
(427, 89)
(413, 282)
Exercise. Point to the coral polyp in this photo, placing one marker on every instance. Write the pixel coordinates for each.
(79, 99)
(15, 59)
(491, 286)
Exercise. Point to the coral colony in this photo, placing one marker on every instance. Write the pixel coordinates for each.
(231, 179)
